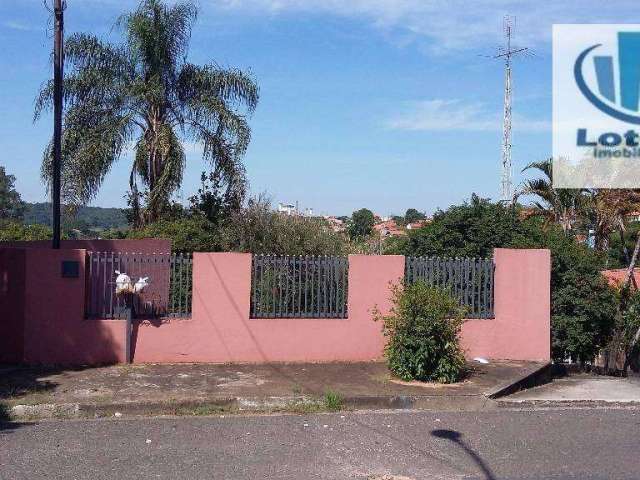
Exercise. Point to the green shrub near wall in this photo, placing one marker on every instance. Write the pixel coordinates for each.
(422, 332)
(583, 305)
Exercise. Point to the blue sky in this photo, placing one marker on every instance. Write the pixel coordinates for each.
(385, 104)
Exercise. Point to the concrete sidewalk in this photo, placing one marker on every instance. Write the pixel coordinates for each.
(580, 389)
(155, 389)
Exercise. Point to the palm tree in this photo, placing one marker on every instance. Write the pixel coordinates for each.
(561, 206)
(144, 94)
(608, 209)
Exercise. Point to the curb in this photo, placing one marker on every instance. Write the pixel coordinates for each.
(92, 410)
(249, 405)
(542, 404)
(421, 402)
(532, 377)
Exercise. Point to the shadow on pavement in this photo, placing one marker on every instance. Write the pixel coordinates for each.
(451, 435)
(5, 420)
(17, 381)
(456, 438)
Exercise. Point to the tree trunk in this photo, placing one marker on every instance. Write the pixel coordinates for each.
(625, 250)
(632, 265)
(134, 200)
(628, 276)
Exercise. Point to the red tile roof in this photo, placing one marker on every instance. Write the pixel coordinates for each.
(616, 277)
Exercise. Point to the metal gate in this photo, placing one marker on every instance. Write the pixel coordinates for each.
(168, 294)
(470, 280)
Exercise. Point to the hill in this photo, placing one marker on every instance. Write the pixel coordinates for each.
(87, 218)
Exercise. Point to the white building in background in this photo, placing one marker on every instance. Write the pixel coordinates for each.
(291, 209)
(287, 208)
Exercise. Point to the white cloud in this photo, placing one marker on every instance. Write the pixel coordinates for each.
(15, 25)
(458, 115)
(451, 25)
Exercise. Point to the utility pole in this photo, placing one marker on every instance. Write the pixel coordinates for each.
(58, 62)
(506, 192)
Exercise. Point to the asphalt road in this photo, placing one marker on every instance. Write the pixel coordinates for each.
(547, 444)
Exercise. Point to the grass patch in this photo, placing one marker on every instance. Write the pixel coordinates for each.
(332, 401)
(30, 399)
(188, 409)
(128, 368)
(203, 410)
(301, 407)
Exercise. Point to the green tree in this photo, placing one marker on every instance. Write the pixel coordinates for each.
(362, 222)
(217, 197)
(561, 206)
(472, 229)
(606, 211)
(620, 245)
(400, 221)
(143, 91)
(11, 205)
(412, 215)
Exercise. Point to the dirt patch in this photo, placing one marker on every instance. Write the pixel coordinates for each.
(390, 477)
(435, 385)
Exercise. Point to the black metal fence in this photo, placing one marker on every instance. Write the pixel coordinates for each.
(167, 294)
(469, 279)
(299, 287)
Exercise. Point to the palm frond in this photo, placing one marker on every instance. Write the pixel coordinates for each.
(236, 88)
(158, 37)
(89, 150)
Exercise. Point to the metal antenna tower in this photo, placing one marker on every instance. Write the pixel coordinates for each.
(507, 53)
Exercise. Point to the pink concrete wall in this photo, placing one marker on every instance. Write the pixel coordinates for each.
(220, 329)
(522, 324)
(55, 328)
(12, 279)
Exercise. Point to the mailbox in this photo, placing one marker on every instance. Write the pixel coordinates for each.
(70, 269)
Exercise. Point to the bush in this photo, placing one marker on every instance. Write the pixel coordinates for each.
(254, 229)
(395, 245)
(13, 230)
(258, 229)
(189, 234)
(422, 334)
